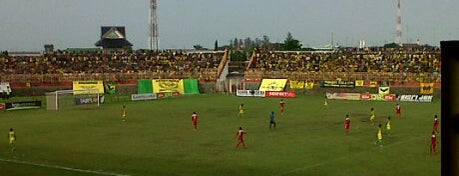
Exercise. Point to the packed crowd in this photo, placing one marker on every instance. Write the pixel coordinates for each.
(207, 65)
(118, 62)
(349, 61)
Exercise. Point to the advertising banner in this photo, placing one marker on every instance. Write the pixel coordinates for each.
(191, 86)
(250, 93)
(144, 86)
(88, 87)
(89, 100)
(379, 97)
(280, 94)
(167, 94)
(359, 83)
(416, 98)
(373, 83)
(427, 88)
(309, 85)
(336, 83)
(384, 90)
(110, 88)
(343, 96)
(147, 96)
(168, 85)
(296, 84)
(273, 85)
(23, 105)
(5, 87)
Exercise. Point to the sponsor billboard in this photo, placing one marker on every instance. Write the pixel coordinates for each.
(427, 88)
(23, 105)
(373, 83)
(273, 85)
(309, 85)
(383, 90)
(5, 88)
(343, 96)
(359, 83)
(147, 96)
(168, 94)
(110, 88)
(168, 85)
(416, 98)
(336, 83)
(89, 100)
(88, 87)
(276, 94)
(378, 97)
(296, 84)
(250, 93)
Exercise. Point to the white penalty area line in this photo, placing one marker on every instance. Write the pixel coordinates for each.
(61, 167)
(340, 158)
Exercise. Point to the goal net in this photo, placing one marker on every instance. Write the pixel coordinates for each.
(71, 98)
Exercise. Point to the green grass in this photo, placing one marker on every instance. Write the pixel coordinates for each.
(158, 139)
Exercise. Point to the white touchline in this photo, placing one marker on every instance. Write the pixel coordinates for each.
(337, 159)
(61, 167)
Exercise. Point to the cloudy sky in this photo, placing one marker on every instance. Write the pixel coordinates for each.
(26, 25)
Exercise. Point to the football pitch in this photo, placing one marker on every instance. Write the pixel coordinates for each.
(157, 138)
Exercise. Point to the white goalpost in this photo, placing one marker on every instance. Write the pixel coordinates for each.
(71, 98)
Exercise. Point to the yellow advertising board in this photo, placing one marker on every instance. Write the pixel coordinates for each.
(273, 84)
(427, 88)
(296, 84)
(88, 87)
(358, 83)
(383, 90)
(373, 83)
(309, 85)
(168, 85)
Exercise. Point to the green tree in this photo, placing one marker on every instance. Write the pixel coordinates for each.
(216, 45)
(291, 43)
(198, 47)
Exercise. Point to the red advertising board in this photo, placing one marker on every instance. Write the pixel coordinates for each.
(280, 94)
(365, 96)
(390, 97)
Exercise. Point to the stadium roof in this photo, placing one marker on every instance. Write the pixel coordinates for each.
(113, 37)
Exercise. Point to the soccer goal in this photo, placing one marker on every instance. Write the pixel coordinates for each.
(71, 98)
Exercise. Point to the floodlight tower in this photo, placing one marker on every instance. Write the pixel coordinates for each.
(154, 33)
(398, 32)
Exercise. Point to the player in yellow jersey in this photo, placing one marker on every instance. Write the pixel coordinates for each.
(12, 138)
(379, 136)
(388, 125)
(241, 110)
(372, 116)
(123, 113)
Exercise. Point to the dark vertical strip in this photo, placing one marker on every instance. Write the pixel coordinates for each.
(449, 107)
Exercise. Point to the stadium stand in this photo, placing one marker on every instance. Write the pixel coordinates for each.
(393, 65)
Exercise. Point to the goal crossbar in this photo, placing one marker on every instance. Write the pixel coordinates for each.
(53, 97)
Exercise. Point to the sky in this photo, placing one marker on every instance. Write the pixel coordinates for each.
(27, 25)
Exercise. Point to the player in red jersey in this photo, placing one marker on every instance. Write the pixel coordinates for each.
(435, 125)
(347, 123)
(240, 137)
(194, 119)
(433, 144)
(398, 110)
(282, 106)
